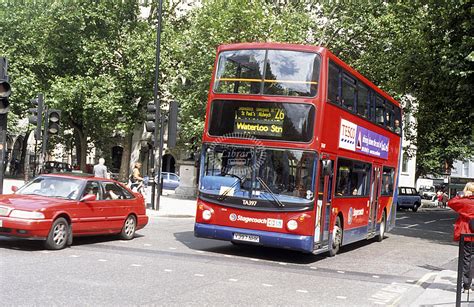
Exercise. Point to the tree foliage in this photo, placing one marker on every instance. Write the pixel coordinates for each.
(95, 60)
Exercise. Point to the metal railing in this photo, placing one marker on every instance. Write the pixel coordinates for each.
(466, 248)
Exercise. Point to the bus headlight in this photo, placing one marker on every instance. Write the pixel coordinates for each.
(292, 225)
(206, 215)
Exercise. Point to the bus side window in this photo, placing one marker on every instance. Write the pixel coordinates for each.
(333, 83)
(348, 92)
(379, 110)
(389, 115)
(362, 100)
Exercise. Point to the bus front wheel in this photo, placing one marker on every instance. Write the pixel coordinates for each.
(336, 238)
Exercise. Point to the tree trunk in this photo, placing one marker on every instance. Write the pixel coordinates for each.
(125, 164)
(83, 149)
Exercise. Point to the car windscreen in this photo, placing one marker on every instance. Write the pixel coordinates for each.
(58, 187)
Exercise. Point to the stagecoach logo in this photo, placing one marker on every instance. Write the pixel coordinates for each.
(246, 202)
(233, 217)
(354, 213)
(359, 139)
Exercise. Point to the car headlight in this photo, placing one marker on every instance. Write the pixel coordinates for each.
(21, 214)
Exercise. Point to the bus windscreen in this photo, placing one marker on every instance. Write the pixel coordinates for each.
(268, 72)
(252, 119)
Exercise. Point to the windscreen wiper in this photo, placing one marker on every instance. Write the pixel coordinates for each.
(280, 204)
(227, 191)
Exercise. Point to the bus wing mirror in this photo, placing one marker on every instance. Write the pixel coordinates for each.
(327, 168)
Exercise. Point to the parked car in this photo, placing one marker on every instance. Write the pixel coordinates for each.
(170, 181)
(58, 207)
(408, 198)
(56, 167)
(427, 192)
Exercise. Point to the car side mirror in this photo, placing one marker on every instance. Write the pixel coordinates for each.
(88, 197)
(14, 188)
(327, 168)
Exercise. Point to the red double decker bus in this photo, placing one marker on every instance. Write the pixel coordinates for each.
(300, 151)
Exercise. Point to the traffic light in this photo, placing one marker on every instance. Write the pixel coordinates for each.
(54, 117)
(36, 117)
(150, 117)
(172, 124)
(5, 88)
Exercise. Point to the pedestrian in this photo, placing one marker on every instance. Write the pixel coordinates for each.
(463, 204)
(100, 170)
(439, 199)
(136, 180)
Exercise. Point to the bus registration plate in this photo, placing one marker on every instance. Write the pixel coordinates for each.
(246, 238)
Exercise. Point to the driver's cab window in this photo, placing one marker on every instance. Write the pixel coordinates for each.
(93, 187)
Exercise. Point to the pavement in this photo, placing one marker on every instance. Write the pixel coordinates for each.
(437, 288)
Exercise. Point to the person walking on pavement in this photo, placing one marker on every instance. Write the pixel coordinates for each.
(464, 205)
(100, 170)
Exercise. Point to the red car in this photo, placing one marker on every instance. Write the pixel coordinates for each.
(56, 207)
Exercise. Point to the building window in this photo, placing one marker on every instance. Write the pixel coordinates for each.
(405, 163)
(465, 169)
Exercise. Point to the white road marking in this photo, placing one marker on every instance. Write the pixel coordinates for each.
(233, 279)
(199, 275)
(341, 297)
(102, 260)
(136, 265)
(302, 291)
(402, 217)
(267, 285)
(375, 276)
(428, 222)
(168, 270)
(414, 225)
(341, 272)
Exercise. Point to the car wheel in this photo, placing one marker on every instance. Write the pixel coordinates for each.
(336, 238)
(58, 235)
(129, 227)
(383, 223)
(415, 207)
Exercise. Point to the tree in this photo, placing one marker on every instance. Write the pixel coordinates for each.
(93, 60)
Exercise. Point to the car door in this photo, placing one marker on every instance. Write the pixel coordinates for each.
(116, 205)
(89, 217)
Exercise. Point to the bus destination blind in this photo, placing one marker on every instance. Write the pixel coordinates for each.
(259, 121)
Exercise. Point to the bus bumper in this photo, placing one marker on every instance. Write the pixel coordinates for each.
(271, 239)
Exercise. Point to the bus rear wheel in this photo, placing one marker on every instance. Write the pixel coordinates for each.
(336, 240)
(383, 223)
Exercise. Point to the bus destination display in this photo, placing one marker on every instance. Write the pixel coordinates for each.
(259, 121)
